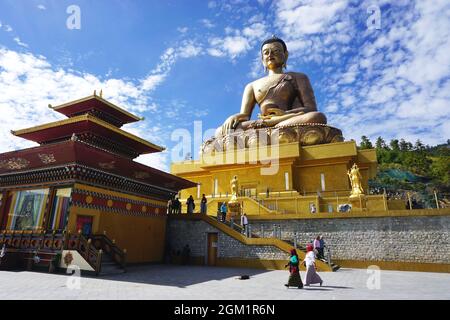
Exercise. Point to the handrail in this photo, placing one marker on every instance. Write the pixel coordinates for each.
(101, 241)
(52, 241)
(86, 249)
(280, 244)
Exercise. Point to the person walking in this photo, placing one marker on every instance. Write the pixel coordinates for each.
(203, 205)
(190, 205)
(310, 262)
(294, 271)
(223, 211)
(244, 223)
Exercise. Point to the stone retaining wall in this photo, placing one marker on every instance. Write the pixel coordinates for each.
(194, 233)
(406, 239)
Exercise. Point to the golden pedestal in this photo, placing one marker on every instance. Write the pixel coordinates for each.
(358, 202)
(234, 210)
(284, 178)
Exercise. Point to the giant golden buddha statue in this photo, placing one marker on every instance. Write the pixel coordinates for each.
(288, 108)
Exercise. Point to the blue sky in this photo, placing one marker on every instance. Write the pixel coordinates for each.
(176, 62)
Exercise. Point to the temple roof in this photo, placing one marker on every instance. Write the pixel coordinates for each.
(75, 152)
(86, 123)
(98, 106)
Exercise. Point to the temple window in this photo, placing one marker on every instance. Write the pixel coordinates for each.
(60, 209)
(26, 209)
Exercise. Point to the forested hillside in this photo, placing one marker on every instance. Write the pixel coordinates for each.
(415, 168)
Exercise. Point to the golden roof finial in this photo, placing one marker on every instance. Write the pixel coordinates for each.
(95, 92)
(101, 93)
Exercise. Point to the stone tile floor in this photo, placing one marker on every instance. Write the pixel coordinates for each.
(161, 282)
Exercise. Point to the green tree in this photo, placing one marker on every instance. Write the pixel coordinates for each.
(365, 143)
(419, 146)
(380, 143)
(440, 170)
(394, 145)
(404, 146)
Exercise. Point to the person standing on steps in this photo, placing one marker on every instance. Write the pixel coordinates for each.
(203, 205)
(223, 211)
(316, 245)
(244, 223)
(190, 205)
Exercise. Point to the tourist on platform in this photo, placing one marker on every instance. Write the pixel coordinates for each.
(223, 211)
(203, 205)
(244, 223)
(294, 271)
(190, 205)
(176, 206)
(312, 208)
(310, 262)
(170, 206)
(316, 246)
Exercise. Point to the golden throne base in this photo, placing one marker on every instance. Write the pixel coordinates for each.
(306, 135)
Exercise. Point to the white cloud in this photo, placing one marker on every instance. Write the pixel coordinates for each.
(232, 46)
(41, 7)
(207, 23)
(375, 81)
(152, 81)
(307, 17)
(20, 43)
(183, 29)
(29, 83)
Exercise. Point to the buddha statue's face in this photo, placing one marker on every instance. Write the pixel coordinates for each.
(273, 55)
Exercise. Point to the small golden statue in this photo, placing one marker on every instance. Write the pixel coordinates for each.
(234, 190)
(355, 180)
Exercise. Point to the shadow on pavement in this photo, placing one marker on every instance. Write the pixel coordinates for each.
(178, 276)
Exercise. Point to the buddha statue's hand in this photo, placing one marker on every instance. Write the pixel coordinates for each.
(232, 122)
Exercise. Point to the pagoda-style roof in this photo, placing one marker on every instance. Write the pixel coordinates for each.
(86, 124)
(99, 107)
(69, 153)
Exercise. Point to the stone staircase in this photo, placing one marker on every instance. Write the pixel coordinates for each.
(109, 266)
(232, 228)
(237, 227)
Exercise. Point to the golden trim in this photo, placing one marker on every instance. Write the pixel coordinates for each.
(118, 194)
(61, 106)
(355, 214)
(394, 265)
(87, 117)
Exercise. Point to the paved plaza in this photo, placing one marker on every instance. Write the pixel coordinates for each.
(164, 282)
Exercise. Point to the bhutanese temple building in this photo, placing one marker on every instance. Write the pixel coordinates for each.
(81, 180)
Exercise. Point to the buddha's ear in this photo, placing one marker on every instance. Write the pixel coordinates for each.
(286, 53)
